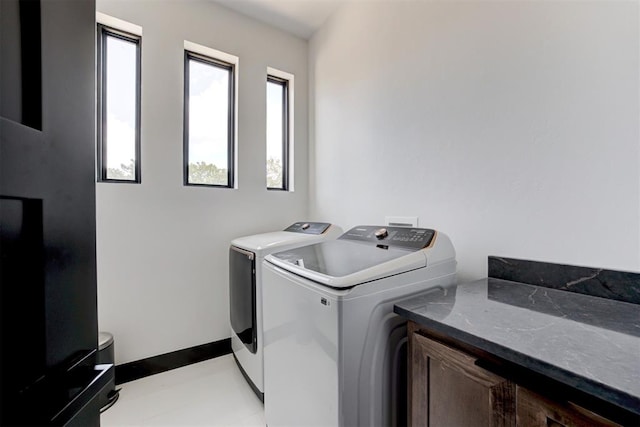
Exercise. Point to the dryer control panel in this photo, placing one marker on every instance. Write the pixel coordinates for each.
(386, 236)
(308, 227)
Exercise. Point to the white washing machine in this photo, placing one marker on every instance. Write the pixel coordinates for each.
(332, 342)
(245, 290)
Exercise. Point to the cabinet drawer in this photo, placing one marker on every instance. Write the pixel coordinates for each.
(535, 410)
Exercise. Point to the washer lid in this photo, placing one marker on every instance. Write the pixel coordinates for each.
(346, 263)
(266, 243)
(274, 240)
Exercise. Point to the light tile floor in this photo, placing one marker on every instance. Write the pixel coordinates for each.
(209, 393)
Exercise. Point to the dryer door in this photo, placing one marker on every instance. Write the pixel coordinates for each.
(242, 296)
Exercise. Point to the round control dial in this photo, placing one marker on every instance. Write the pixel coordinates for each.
(381, 233)
(305, 226)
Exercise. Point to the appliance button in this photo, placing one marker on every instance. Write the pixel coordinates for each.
(381, 233)
(305, 226)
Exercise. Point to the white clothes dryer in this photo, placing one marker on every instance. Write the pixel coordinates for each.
(332, 341)
(245, 290)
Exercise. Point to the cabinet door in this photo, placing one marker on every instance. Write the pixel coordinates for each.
(448, 389)
(536, 411)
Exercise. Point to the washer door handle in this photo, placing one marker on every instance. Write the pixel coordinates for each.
(249, 254)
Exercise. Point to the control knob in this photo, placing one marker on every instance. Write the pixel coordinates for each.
(381, 233)
(305, 226)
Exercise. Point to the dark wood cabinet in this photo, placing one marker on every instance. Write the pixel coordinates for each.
(534, 410)
(448, 388)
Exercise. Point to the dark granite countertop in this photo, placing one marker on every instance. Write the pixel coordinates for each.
(589, 343)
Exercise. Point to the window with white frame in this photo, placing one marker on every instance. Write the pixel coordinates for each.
(209, 121)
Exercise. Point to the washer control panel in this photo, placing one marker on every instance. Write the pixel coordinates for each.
(308, 227)
(385, 236)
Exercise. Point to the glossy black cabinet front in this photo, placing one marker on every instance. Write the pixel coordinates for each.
(47, 216)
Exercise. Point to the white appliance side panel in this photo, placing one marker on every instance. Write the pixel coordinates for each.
(369, 330)
(300, 352)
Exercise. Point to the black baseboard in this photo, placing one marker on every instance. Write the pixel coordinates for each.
(164, 362)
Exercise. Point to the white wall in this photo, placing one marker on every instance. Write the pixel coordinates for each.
(511, 126)
(162, 247)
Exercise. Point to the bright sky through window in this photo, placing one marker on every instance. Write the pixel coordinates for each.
(121, 108)
(208, 130)
(275, 134)
(274, 121)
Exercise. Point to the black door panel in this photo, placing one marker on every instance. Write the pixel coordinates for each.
(242, 295)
